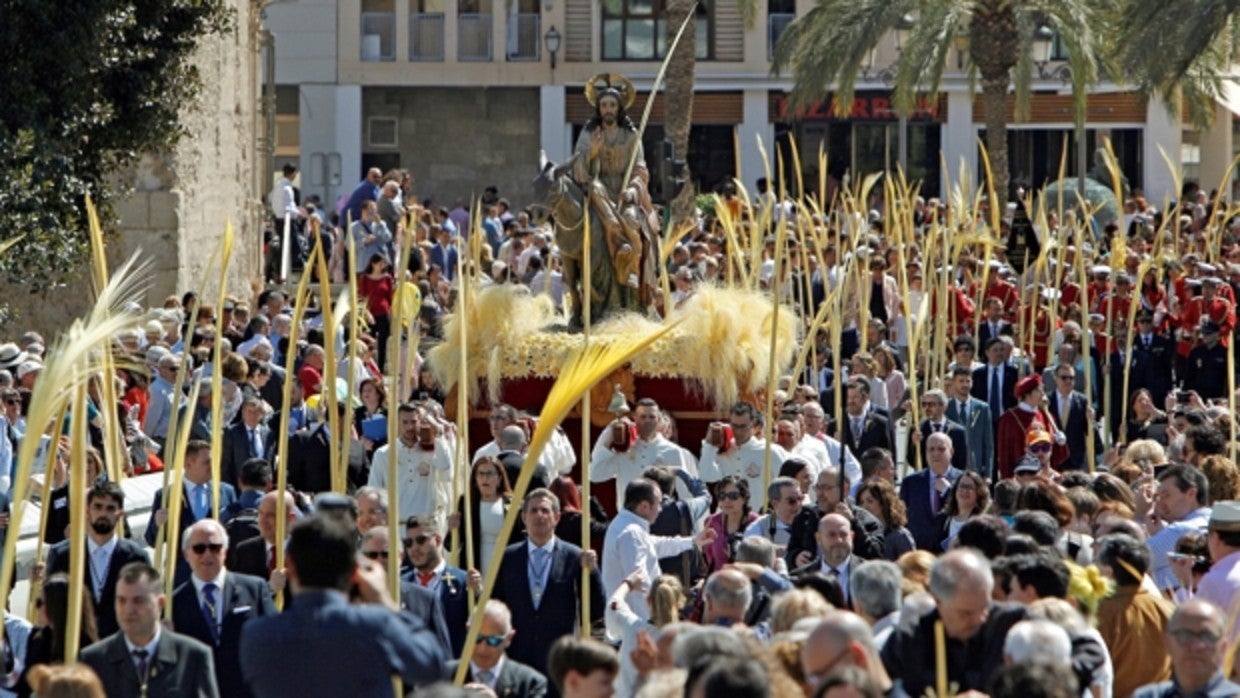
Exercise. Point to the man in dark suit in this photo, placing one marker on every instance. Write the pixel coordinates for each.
(925, 492)
(993, 325)
(216, 603)
(106, 552)
(428, 568)
(1072, 414)
(299, 652)
(247, 439)
(309, 455)
(195, 501)
(934, 409)
(143, 659)
(256, 556)
(974, 416)
(834, 558)
(543, 589)
(995, 383)
(864, 427)
(423, 603)
(490, 665)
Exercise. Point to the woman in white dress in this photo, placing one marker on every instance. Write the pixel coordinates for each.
(489, 498)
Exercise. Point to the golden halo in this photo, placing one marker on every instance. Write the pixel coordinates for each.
(602, 81)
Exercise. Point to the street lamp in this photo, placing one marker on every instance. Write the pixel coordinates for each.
(552, 41)
(1043, 44)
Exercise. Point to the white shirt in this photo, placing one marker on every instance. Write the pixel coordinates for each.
(558, 458)
(606, 464)
(425, 477)
(99, 559)
(747, 460)
(282, 199)
(761, 527)
(627, 547)
(150, 647)
(841, 575)
(474, 669)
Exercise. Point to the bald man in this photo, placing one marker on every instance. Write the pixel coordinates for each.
(839, 640)
(1196, 643)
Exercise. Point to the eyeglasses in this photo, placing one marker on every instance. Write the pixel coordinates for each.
(376, 554)
(792, 500)
(966, 488)
(14, 401)
(731, 496)
(1065, 377)
(1188, 637)
(821, 487)
(491, 640)
(487, 474)
(200, 548)
(418, 540)
(930, 403)
(1040, 448)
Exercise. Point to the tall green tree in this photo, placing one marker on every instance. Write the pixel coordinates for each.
(827, 47)
(88, 86)
(1181, 54)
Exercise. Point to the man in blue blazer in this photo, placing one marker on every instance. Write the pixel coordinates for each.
(925, 492)
(424, 549)
(540, 582)
(299, 652)
(216, 603)
(974, 416)
(195, 501)
(995, 382)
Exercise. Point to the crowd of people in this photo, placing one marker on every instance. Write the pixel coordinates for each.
(1052, 511)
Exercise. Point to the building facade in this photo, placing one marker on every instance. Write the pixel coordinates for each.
(465, 93)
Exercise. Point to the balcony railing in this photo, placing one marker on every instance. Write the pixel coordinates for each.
(426, 36)
(524, 37)
(473, 37)
(776, 23)
(378, 36)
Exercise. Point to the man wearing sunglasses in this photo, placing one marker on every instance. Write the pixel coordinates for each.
(418, 600)
(216, 602)
(490, 666)
(428, 568)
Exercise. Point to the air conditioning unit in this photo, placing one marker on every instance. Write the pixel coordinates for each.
(382, 132)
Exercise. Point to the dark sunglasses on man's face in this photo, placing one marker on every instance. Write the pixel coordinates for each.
(491, 640)
(200, 548)
(376, 554)
(419, 540)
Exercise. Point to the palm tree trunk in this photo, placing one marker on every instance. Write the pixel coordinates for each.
(994, 98)
(678, 105)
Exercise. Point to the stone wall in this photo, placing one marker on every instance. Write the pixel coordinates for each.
(458, 141)
(181, 201)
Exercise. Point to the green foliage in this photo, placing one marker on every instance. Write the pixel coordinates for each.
(88, 87)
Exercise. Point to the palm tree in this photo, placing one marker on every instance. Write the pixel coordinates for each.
(828, 46)
(1183, 57)
(678, 104)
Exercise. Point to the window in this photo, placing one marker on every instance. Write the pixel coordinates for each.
(378, 30)
(636, 30)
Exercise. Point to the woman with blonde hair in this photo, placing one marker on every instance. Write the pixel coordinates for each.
(915, 566)
(886, 371)
(795, 604)
(665, 599)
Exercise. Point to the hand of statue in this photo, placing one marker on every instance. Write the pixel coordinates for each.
(630, 195)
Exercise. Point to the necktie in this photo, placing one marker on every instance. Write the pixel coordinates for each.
(963, 411)
(425, 578)
(996, 393)
(1063, 410)
(256, 446)
(200, 501)
(271, 560)
(139, 659)
(538, 565)
(856, 429)
(208, 609)
(99, 572)
(485, 676)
